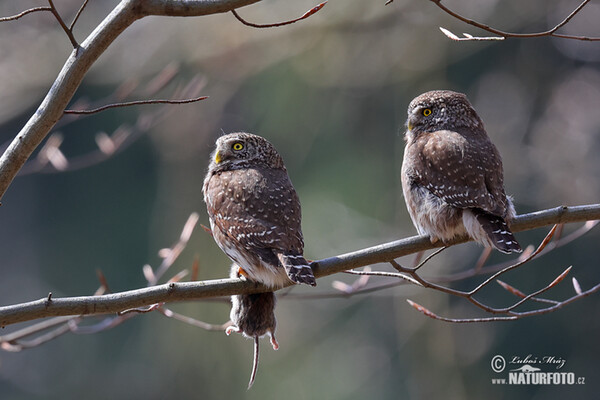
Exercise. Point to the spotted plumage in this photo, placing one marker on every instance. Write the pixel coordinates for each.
(255, 212)
(452, 175)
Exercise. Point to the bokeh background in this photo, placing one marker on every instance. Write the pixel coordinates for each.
(331, 93)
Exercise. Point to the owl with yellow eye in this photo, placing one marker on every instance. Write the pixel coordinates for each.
(255, 212)
(452, 175)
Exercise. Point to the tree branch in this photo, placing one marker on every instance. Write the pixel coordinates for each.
(62, 24)
(135, 103)
(187, 291)
(502, 34)
(72, 25)
(23, 13)
(278, 24)
(80, 61)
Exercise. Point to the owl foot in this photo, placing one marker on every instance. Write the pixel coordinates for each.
(243, 273)
(433, 239)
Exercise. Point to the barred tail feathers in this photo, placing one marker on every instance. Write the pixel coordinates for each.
(496, 231)
(297, 268)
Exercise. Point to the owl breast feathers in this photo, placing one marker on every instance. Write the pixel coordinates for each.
(255, 212)
(452, 175)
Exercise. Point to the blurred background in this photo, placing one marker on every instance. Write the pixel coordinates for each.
(330, 93)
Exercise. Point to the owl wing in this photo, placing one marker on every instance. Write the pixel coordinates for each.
(259, 209)
(464, 173)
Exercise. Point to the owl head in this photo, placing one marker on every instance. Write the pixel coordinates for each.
(441, 110)
(244, 150)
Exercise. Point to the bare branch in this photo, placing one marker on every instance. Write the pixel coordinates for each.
(478, 269)
(22, 14)
(304, 16)
(39, 340)
(63, 25)
(186, 291)
(135, 103)
(468, 37)
(502, 34)
(192, 321)
(80, 61)
(512, 317)
(511, 289)
(386, 274)
(77, 15)
(170, 255)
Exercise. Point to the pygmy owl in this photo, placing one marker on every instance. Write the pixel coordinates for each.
(452, 175)
(254, 211)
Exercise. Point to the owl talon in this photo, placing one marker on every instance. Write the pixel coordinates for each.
(243, 273)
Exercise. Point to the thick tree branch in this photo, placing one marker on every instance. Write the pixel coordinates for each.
(79, 62)
(186, 291)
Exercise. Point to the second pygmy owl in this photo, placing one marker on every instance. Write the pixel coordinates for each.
(254, 211)
(452, 175)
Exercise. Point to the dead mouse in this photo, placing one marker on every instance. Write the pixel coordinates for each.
(253, 315)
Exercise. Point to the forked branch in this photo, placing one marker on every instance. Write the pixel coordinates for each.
(80, 61)
(187, 291)
(503, 34)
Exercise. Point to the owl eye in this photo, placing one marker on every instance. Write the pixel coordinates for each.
(427, 112)
(237, 146)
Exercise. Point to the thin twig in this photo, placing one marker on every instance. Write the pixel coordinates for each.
(502, 34)
(77, 15)
(514, 316)
(170, 255)
(304, 16)
(530, 296)
(23, 13)
(386, 274)
(26, 344)
(192, 321)
(543, 244)
(63, 25)
(135, 103)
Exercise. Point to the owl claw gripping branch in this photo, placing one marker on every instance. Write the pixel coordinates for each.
(452, 175)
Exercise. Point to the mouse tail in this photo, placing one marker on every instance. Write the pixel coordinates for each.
(254, 363)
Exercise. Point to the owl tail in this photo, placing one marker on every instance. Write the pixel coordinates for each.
(497, 231)
(297, 269)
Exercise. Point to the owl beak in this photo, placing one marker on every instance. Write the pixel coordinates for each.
(411, 121)
(218, 157)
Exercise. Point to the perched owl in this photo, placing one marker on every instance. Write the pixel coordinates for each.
(254, 211)
(452, 175)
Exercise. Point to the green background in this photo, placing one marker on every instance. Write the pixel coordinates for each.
(331, 94)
